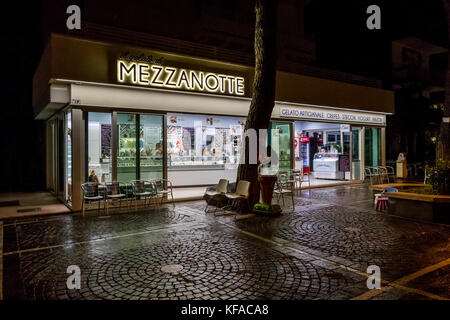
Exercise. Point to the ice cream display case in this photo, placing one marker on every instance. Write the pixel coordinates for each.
(202, 162)
(326, 166)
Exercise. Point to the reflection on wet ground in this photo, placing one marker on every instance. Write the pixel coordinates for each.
(319, 251)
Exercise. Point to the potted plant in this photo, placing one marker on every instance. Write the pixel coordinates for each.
(438, 176)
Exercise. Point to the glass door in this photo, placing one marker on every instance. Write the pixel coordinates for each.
(99, 140)
(356, 146)
(142, 157)
(151, 146)
(345, 157)
(280, 139)
(372, 147)
(54, 156)
(61, 156)
(126, 155)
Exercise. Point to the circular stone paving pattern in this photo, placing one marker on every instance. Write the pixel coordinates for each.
(212, 265)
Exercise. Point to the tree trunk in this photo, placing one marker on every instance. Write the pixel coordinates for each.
(443, 144)
(264, 83)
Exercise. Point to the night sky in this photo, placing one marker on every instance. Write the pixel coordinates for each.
(343, 43)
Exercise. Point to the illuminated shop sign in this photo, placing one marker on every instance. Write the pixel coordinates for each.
(158, 76)
(331, 115)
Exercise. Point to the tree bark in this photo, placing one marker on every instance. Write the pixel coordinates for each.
(443, 144)
(264, 83)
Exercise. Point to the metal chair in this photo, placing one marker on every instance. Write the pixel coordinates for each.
(221, 190)
(383, 174)
(368, 173)
(127, 189)
(164, 189)
(391, 173)
(284, 187)
(386, 172)
(377, 174)
(297, 177)
(151, 186)
(308, 179)
(373, 173)
(113, 192)
(141, 190)
(90, 191)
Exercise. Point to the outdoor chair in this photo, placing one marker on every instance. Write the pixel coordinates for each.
(141, 190)
(164, 189)
(377, 174)
(297, 177)
(91, 193)
(386, 172)
(242, 193)
(390, 173)
(305, 177)
(151, 186)
(383, 174)
(113, 192)
(284, 187)
(214, 196)
(127, 189)
(372, 173)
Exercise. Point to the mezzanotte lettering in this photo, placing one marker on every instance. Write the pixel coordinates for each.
(174, 78)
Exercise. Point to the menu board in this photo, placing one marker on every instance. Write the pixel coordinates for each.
(152, 136)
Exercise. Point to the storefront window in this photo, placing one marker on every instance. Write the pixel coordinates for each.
(201, 149)
(323, 149)
(356, 153)
(372, 146)
(99, 147)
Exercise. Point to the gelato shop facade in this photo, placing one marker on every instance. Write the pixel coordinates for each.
(127, 113)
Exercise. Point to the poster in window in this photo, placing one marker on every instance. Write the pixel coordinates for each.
(106, 140)
(344, 162)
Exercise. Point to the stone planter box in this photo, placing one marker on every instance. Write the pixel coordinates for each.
(431, 208)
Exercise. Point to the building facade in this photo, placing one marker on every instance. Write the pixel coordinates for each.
(127, 112)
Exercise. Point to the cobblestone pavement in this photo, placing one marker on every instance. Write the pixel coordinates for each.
(320, 250)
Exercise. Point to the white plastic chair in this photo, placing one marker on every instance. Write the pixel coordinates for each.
(242, 193)
(221, 190)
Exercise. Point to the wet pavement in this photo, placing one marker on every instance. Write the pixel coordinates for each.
(319, 251)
